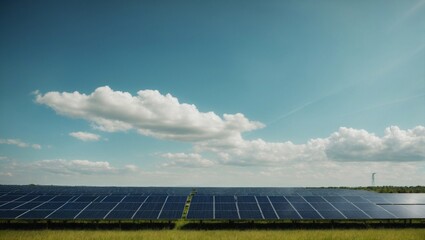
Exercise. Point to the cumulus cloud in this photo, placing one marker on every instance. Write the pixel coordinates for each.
(359, 145)
(192, 160)
(162, 116)
(347, 144)
(19, 143)
(85, 136)
(149, 112)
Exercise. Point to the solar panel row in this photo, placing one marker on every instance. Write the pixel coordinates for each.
(93, 207)
(43, 202)
(298, 207)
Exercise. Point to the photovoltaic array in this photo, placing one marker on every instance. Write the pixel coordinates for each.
(115, 203)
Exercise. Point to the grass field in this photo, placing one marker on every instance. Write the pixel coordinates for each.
(369, 234)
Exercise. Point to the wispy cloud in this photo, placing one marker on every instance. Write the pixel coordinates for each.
(85, 136)
(19, 143)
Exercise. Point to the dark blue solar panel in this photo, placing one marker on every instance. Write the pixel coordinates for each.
(295, 199)
(265, 206)
(157, 206)
(171, 214)
(368, 206)
(283, 206)
(113, 198)
(8, 198)
(287, 214)
(28, 206)
(87, 214)
(335, 199)
(248, 206)
(74, 206)
(225, 207)
(85, 199)
(200, 214)
(10, 214)
(120, 214)
(64, 214)
(309, 215)
(201, 206)
(202, 199)
(269, 214)
(314, 199)
(356, 199)
(226, 215)
(50, 206)
(224, 199)
(331, 215)
(43, 198)
(100, 206)
(27, 198)
(35, 214)
(146, 215)
(354, 214)
(61, 198)
(261, 199)
(250, 215)
(10, 205)
(177, 199)
(135, 199)
(277, 199)
(173, 206)
(127, 206)
(323, 206)
(379, 214)
(246, 199)
(345, 206)
(157, 198)
(302, 206)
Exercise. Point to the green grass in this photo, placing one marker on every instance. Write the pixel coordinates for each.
(369, 234)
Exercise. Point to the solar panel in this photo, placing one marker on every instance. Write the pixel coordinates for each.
(35, 214)
(288, 214)
(205, 214)
(250, 214)
(309, 214)
(231, 215)
(146, 214)
(89, 214)
(117, 214)
(64, 214)
(331, 214)
(55, 202)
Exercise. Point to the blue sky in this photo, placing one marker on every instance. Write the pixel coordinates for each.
(316, 93)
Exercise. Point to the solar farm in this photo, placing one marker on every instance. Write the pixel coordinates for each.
(167, 204)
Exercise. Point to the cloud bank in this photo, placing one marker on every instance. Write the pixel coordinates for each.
(162, 116)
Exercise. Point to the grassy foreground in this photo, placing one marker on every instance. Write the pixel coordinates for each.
(368, 234)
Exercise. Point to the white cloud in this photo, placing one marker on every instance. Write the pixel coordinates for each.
(69, 167)
(396, 145)
(6, 174)
(349, 145)
(162, 116)
(192, 160)
(19, 143)
(149, 112)
(85, 136)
